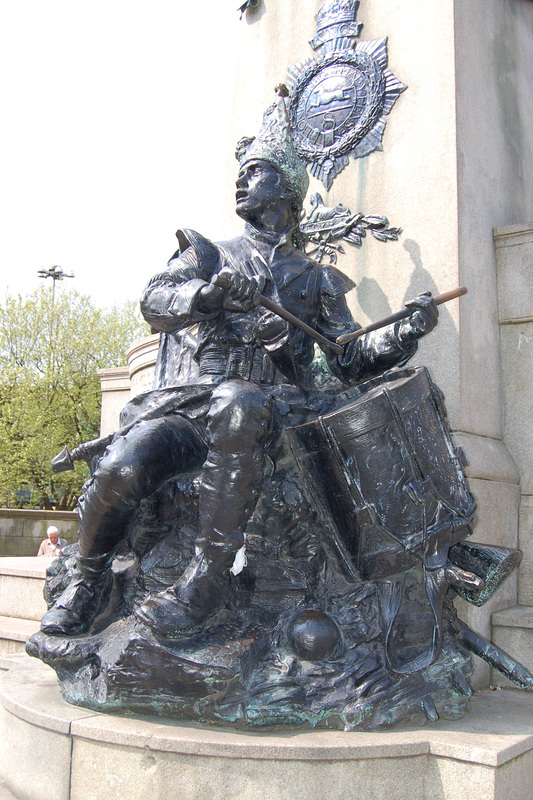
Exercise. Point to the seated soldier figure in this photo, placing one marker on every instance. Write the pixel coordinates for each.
(253, 370)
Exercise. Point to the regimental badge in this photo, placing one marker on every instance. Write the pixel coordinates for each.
(337, 102)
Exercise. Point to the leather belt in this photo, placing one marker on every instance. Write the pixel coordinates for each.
(238, 361)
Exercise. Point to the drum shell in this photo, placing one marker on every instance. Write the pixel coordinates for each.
(384, 469)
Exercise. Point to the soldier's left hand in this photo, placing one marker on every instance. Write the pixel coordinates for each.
(423, 318)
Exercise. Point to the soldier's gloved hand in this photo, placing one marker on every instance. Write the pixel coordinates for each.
(423, 318)
(271, 330)
(231, 291)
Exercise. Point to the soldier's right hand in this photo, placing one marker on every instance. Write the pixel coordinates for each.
(231, 291)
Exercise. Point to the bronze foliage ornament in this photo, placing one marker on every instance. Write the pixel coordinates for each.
(325, 227)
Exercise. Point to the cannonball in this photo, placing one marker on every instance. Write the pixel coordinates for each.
(313, 634)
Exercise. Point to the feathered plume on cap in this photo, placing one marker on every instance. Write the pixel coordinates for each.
(274, 144)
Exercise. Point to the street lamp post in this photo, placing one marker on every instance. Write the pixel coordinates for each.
(57, 274)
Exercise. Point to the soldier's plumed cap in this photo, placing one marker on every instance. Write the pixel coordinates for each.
(274, 144)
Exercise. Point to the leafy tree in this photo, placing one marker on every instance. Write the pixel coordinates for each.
(50, 349)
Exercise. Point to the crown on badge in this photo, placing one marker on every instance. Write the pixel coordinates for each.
(337, 10)
(274, 144)
(336, 20)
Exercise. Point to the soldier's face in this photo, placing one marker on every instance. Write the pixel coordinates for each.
(258, 189)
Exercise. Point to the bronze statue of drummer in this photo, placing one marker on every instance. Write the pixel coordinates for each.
(253, 368)
(353, 499)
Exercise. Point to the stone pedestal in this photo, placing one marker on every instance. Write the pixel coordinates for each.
(115, 388)
(514, 249)
(21, 601)
(51, 749)
(120, 384)
(513, 627)
(141, 358)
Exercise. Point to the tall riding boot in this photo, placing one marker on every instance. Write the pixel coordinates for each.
(202, 590)
(134, 466)
(240, 427)
(227, 496)
(76, 608)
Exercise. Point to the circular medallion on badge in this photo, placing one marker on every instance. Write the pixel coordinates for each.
(335, 104)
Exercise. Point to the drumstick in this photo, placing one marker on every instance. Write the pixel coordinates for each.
(406, 312)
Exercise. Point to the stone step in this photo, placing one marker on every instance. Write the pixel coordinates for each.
(512, 630)
(21, 587)
(14, 634)
(11, 660)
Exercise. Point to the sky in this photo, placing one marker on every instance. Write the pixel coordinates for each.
(112, 136)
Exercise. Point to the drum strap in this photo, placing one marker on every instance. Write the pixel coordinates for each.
(391, 597)
(435, 583)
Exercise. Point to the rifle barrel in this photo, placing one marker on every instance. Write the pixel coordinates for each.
(495, 656)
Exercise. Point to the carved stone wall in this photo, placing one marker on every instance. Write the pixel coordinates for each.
(119, 384)
(514, 249)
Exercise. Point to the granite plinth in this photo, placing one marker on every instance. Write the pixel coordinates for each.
(486, 756)
(21, 587)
